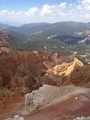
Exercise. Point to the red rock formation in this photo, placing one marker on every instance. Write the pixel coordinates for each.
(73, 73)
(18, 74)
(51, 59)
(18, 65)
(4, 34)
(4, 46)
(20, 71)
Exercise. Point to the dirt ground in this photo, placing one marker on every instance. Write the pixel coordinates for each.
(65, 110)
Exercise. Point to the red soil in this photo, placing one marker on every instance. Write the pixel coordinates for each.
(67, 109)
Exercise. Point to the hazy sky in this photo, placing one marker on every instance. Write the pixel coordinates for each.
(31, 11)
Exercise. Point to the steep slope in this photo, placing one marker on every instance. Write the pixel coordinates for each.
(73, 73)
(43, 97)
(17, 65)
(4, 46)
(86, 40)
(20, 72)
(8, 41)
(21, 69)
(52, 103)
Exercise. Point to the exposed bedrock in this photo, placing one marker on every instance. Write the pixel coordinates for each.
(68, 73)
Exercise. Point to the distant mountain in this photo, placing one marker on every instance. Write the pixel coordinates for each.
(46, 29)
(40, 45)
(4, 26)
(53, 36)
(62, 37)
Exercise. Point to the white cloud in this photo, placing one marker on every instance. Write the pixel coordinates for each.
(6, 12)
(53, 10)
(33, 11)
(63, 5)
(51, 13)
(46, 10)
(84, 2)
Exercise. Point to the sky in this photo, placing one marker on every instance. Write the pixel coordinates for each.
(18, 12)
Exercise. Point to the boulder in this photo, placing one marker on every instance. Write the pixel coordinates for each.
(16, 117)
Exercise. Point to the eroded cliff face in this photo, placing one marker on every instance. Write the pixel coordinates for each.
(4, 46)
(19, 70)
(24, 71)
(68, 73)
(51, 59)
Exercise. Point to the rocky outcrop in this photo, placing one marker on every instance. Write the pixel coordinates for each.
(51, 59)
(86, 40)
(22, 65)
(82, 118)
(39, 98)
(20, 72)
(17, 117)
(3, 34)
(48, 95)
(52, 103)
(4, 46)
(65, 74)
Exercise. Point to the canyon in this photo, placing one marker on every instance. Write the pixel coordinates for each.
(21, 69)
(45, 74)
(58, 86)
